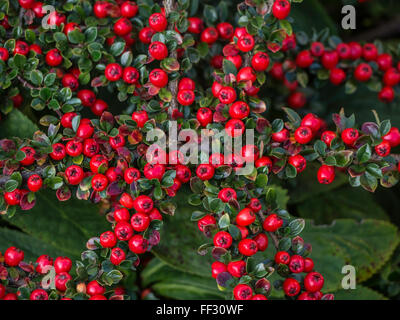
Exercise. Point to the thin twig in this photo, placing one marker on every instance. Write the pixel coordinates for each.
(26, 83)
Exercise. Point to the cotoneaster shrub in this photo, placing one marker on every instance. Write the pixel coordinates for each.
(168, 64)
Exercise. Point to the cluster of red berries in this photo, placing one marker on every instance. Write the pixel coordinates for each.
(338, 63)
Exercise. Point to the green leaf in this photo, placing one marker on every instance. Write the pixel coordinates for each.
(360, 293)
(229, 67)
(364, 153)
(36, 77)
(17, 125)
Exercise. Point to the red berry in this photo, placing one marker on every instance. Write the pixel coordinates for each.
(304, 59)
(154, 171)
(74, 148)
(383, 149)
(350, 136)
(313, 282)
(245, 217)
(143, 204)
(94, 288)
(183, 173)
(308, 265)
(205, 171)
(243, 291)
(4, 54)
(61, 280)
(140, 221)
(158, 50)
(391, 77)
(259, 297)
(138, 244)
(344, 51)
(90, 148)
(337, 76)
(298, 162)
(54, 58)
(227, 95)
(204, 116)
(70, 81)
(62, 264)
(246, 74)
(246, 43)
(87, 98)
(71, 26)
(195, 25)
(129, 9)
(209, 35)
(222, 239)
(281, 136)
(130, 75)
(330, 59)
(22, 48)
(262, 241)
(297, 100)
(186, 97)
(303, 135)
(99, 107)
(227, 194)
(123, 27)
(386, 94)
(296, 264)
(158, 78)
(317, 49)
(29, 156)
(13, 198)
(272, 223)
(235, 128)
(101, 9)
(39, 294)
(237, 268)
(108, 239)
(26, 4)
(326, 174)
(260, 61)
(131, 175)
(113, 72)
(217, 268)
(291, 287)
(13, 256)
(355, 50)
(393, 137)
(117, 256)
(281, 9)
(74, 174)
(239, 110)
(327, 137)
(207, 220)
(99, 182)
(282, 257)
(370, 52)
(158, 22)
(123, 231)
(35, 183)
(363, 72)
(264, 162)
(385, 61)
(43, 264)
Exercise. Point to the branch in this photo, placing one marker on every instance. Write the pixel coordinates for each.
(169, 6)
(26, 83)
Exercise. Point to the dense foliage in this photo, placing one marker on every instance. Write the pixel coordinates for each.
(98, 77)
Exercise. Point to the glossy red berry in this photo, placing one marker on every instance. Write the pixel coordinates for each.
(62, 264)
(154, 171)
(297, 100)
(123, 231)
(298, 161)
(158, 22)
(246, 43)
(281, 9)
(13, 198)
(158, 50)
(326, 174)
(222, 239)
(13, 256)
(158, 78)
(317, 49)
(393, 137)
(183, 173)
(327, 137)
(239, 110)
(350, 136)
(291, 287)
(262, 241)
(74, 174)
(227, 194)
(313, 282)
(4, 54)
(108, 239)
(209, 35)
(205, 171)
(99, 182)
(35, 183)
(207, 220)
(245, 217)
(123, 27)
(94, 288)
(74, 148)
(370, 52)
(43, 264)
(296, 264)
(235, 128)
(129, 9)
(61, 280)
(140, 221)
(39, 294)
(303, 135)
(195, 25)
(386, 94)
(363, 72)
(237, 268)
(70, 81)
(308, 265)
(254, 205)
(385, 61)
(117, 256)
(29, 156)
(217, 268)
(337, 76)
(264, 162)
(260, 61)
(242, 292)
(282, 257)
(138, 244)
(143, 204)
(186, 97)
(304, 59)
(54, 58)
(204, 116)
(281, 136)
(130, 75)
(383, 149)
(101, 9)
(272, 222)
(113, 72)
(99, 107)
(87, 98)
(21, 48)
